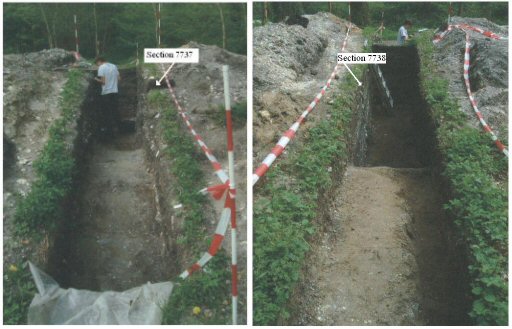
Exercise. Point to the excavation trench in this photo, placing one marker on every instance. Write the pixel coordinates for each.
(389, 257)
(113, 238)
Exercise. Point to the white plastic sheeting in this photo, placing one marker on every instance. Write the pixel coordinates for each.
(55, 305)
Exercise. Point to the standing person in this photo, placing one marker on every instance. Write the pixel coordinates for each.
(403, 35)
(108, 77)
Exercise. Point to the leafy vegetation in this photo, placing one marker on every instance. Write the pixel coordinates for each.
(286, 206)
(238, 114)
(19, 289)
(185, 168)
(201, 299)
(118, 27)
(478, 202)
(42, 210)
(205, 292)
(422, 14)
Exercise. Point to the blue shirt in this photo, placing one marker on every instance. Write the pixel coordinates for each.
(402, 35)
(110, 72)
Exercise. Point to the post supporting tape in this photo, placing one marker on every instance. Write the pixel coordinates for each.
(231, 195)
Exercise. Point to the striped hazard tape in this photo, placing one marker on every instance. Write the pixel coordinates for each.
(213, 160)
(479, 115)
(472, 100)
(220, 231)
(290, 133)
(228, 215)
(217, 191)
(489, 34)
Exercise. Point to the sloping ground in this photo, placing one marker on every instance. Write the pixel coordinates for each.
(30, 106)
(291, 64)
(200, 91)
(41, 112)
(288, 199)
(488, 72)
(477, 176)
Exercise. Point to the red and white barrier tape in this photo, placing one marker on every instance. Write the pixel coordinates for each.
(215, 163)
(77, 40)
(464, 27)
(290, 133)
(472, 100)
(228, 214)
(218, 237)
(158, 31)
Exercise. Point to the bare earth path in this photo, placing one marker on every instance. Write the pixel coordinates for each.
(386, 265)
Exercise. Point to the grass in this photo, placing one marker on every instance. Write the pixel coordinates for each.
(479, 200)
(41, 212)
(370, 32)
(238, 114)
(286, 205)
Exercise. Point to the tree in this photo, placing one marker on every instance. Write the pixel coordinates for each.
(223, 26)
(50, 38)
(360, 13)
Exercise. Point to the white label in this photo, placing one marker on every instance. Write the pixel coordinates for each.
(171, 55)
(362, 58)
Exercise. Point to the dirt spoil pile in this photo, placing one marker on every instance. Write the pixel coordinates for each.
(291, 64)
(488, 71)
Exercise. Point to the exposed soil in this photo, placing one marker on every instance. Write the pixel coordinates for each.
(291, 65)
(388, 257)
(386, 260)
(488, 72)
(31, 90)
(199, 88)
(115, 240)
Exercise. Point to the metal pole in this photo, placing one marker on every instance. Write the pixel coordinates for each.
(381, 24)
(349, 15)
(159, 31)
(77, 41)
(137, 59)
(232, 194)
(449, 12)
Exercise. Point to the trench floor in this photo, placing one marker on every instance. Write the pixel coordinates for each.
(116, 241)
(386, 261)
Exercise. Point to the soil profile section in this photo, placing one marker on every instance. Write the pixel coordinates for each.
(388, 256)
(114, 239)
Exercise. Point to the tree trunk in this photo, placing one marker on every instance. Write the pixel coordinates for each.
(157, 18)
(223, 26)
(54, 36)
(330, 7)
(265, 12)
(460, 9)
(50, 42)
(96, 43)
(360, 13)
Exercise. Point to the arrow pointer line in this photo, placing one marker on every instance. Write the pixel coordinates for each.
(358, 82)
(163, 76)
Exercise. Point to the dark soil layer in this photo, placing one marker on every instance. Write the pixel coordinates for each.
(400, 137)
(114, 240)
